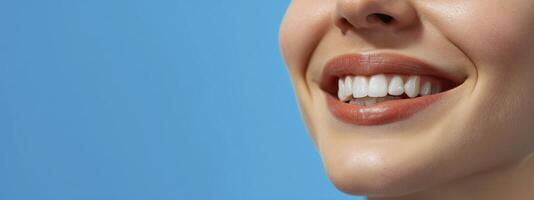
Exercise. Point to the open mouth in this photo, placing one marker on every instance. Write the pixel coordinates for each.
(374, 89)
(368, 91)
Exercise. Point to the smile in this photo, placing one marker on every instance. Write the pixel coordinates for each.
(375, 89)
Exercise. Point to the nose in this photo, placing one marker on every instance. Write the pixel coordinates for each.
(374, 14)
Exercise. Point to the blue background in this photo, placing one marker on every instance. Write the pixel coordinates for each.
(165, 99)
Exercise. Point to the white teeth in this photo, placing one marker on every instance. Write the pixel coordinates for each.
(426, 89)
(348, 86)
(342, 93)
(396, 86)
(359, 86)
(378, 86)
(411, 87)
(362, 90)
(340, 88)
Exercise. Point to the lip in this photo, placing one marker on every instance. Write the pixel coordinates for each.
(380, 63)
(380, 113)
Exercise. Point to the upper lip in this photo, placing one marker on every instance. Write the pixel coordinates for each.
(368, 64)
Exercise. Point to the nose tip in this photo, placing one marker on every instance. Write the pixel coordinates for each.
(374, 14)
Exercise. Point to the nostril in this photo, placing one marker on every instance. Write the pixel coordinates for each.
(343, 24)
(386, 19)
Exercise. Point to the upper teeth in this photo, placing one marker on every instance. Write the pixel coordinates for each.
(381, 85)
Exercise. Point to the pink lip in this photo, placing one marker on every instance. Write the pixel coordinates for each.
(381, 113)
(370, 64)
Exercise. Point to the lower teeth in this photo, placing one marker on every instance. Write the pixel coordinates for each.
(368, 101)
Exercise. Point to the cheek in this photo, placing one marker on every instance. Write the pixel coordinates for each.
(490, 32)
(302, 28)
(498, 37)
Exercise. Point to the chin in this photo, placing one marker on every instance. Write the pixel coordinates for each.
(376, 172)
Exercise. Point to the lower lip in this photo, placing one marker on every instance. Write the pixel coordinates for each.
(380, 113)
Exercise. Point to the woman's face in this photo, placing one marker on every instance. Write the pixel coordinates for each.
(476, 114)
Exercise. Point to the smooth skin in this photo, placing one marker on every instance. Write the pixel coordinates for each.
(478, 143)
